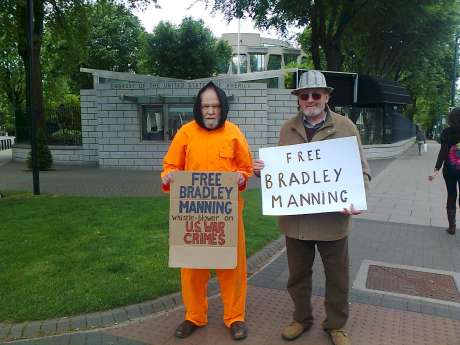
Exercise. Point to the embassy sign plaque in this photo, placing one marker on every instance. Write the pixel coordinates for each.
(203, 220)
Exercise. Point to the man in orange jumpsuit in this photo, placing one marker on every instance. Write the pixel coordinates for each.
(211, 143)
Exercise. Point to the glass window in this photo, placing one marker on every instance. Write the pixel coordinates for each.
(162, 121)
(152, 123)
(243, 64)
(274, 62)
(257, 62)
(178, 116)
(288, 58)
(370, 125)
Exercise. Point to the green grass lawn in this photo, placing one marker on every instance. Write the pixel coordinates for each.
(63, 256)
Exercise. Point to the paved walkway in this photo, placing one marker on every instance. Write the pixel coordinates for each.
(403, 229)
(5, 156)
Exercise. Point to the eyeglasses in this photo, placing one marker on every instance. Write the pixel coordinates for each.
(306, 96)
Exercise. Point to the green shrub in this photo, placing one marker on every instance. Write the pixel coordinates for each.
(45, 159)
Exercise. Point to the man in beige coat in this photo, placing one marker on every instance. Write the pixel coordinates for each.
(326, 231)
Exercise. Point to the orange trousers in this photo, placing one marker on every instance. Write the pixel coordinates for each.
(233, 285)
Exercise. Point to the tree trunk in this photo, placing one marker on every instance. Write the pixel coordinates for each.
(314, 45)
(334, 57)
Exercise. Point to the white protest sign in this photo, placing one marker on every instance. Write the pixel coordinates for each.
(316, 177)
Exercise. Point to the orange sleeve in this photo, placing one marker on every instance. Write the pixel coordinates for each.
(243, 158)
(175, 157)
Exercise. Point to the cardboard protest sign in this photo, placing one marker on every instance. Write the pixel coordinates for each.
(316, 177)
(203, 220)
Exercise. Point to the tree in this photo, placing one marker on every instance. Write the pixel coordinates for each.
(328, 20)
(12, 79)
(410, 42)
(391, 35)
(224, 55)
(188, 51)
(114, 38)
(51, 12)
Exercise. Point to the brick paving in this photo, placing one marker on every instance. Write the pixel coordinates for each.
(410, 282)
(404, 225)
(269, 310)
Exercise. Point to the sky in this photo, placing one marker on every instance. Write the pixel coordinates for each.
(174, 10)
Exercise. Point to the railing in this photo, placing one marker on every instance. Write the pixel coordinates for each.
(62, 124)
(6, 143)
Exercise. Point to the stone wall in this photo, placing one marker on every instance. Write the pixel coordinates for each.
(111, 121)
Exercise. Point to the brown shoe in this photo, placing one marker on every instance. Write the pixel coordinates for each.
(238, 330)
(294, 330)
(185, 329)
(339, 336)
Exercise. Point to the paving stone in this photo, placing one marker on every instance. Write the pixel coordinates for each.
(78, 322)
(16, 331)
(78, 339)
(120, 315)
(454, 312)
(428, 308)
(133, 311)
(63, 325)
(94, 338)
(49, 327)
(107, 318)
(146, 308)
(441, 310)
(375, 299)
(64, 340)
(168, 303)
(414, 306)
(4, 330)
(32, 329)
(108, 339)
(157, 306)
(93, 320)
(269, 310)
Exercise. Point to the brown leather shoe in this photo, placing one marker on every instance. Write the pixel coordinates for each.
(185, 329)
(294, 330)
(238, 330)
(339, 336)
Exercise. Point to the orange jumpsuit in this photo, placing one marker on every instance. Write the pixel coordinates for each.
(222, 149)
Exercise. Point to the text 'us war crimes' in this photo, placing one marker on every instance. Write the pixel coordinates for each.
(303, 180)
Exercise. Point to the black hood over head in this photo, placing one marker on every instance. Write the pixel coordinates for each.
(223, 105)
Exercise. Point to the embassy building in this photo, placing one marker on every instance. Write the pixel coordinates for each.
(128, 120)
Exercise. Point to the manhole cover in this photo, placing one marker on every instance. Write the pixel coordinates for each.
(414, 283)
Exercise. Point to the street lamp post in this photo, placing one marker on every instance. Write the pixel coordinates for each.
(29, 71)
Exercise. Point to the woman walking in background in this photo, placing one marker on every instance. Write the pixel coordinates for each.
(421, 140)
(449, 159)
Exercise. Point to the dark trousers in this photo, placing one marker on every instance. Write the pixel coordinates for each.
(452, 180)
(334, 254)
